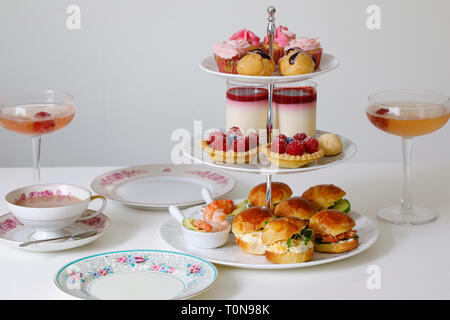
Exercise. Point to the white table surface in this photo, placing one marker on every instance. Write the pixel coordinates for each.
(414, 260)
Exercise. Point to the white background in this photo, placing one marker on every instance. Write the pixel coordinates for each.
(133, 69)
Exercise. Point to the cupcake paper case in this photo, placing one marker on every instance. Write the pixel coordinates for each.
(228, 53)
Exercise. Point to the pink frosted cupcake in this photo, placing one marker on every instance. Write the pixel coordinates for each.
(310, 45)
(252, 39)
(228, 53)
(280, 41)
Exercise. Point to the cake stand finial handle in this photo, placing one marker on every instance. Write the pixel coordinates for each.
(271, 27)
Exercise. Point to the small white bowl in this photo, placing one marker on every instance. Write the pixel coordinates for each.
(202, 240)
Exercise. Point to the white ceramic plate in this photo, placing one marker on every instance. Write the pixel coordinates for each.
(328, 62)
(13, 233)
(136, 274)
(262, 165)
(231, 255)
(161, 185)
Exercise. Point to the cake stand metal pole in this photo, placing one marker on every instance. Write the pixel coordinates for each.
(269, 191)
(269, 124)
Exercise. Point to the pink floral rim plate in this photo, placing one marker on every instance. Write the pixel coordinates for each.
(136, 274)
(13, 233)
(161, 185)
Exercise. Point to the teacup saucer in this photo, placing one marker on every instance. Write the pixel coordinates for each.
(13, 232)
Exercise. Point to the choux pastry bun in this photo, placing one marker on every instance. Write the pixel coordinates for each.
(256, 63)
(330, 143)
(295, 62)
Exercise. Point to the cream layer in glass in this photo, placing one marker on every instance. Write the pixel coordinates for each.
(246, 107)
(295, 109)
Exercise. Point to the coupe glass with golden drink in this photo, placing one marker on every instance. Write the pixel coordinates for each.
(35, 114)
(408, 114)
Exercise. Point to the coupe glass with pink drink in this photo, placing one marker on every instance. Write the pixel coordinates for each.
(408, 114)
(35, 114)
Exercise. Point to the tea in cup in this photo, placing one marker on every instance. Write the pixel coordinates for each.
(48, 208)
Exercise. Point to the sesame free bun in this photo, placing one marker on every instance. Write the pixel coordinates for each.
(324, 195)
(281, 229)
(247, 227)
(289, 257)
(251, 220)
(296, 207)
(280, 192)
(331, 222)
(338, 247)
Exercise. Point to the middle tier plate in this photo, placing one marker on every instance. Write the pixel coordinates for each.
(263, 166)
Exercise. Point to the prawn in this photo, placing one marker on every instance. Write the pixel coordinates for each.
(224, 206)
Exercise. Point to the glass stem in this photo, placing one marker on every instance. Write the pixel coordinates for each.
(36, 143)
(406, 202)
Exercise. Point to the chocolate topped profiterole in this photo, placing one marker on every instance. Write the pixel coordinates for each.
(296, 61)
(256, 63)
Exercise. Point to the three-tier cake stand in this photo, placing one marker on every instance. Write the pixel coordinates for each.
(263, 165)
(230, 254)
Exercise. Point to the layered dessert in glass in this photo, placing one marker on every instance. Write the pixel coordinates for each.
(246, 106)
(295, 108)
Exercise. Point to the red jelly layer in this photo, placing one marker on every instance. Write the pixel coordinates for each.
(247, 94)
(291, 95)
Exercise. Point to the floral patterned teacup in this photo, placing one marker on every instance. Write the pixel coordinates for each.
(48, 208)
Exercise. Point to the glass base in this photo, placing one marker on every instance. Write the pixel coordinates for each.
(396, 215)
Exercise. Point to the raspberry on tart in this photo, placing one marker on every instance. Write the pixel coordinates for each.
(295, 148)
(311, 144)
(233, 146)
(300, 136)
(292, 152)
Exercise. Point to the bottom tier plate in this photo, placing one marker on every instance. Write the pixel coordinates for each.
(231, 255)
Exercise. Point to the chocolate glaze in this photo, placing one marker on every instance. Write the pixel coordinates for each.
(293, 48)
(262, 53)
(295, 54)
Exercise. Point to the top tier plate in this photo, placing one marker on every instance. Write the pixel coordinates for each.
(327, 63)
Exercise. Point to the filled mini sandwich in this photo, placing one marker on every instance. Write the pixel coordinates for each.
(328, 196)
(247, 228)
(288, 240)
(333, 232)
(296, 207)
(257, 196)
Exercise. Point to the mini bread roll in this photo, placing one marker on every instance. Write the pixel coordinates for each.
(277, 233)
(331, 222)
(330, 143)
(296, 207)
(247, 229)
(282, 229)
(339, 247)
(251, 219)
(324, 195)
(280, 192)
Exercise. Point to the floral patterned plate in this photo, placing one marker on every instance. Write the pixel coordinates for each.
(13, 232)
(161, 185)
(136, 274)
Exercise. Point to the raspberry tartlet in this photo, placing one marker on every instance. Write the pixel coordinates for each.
(292, 152)
(234, 146)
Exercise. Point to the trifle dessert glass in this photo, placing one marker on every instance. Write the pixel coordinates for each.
(294, 107)
(407, 113)
(246, 106)
(35, 114)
